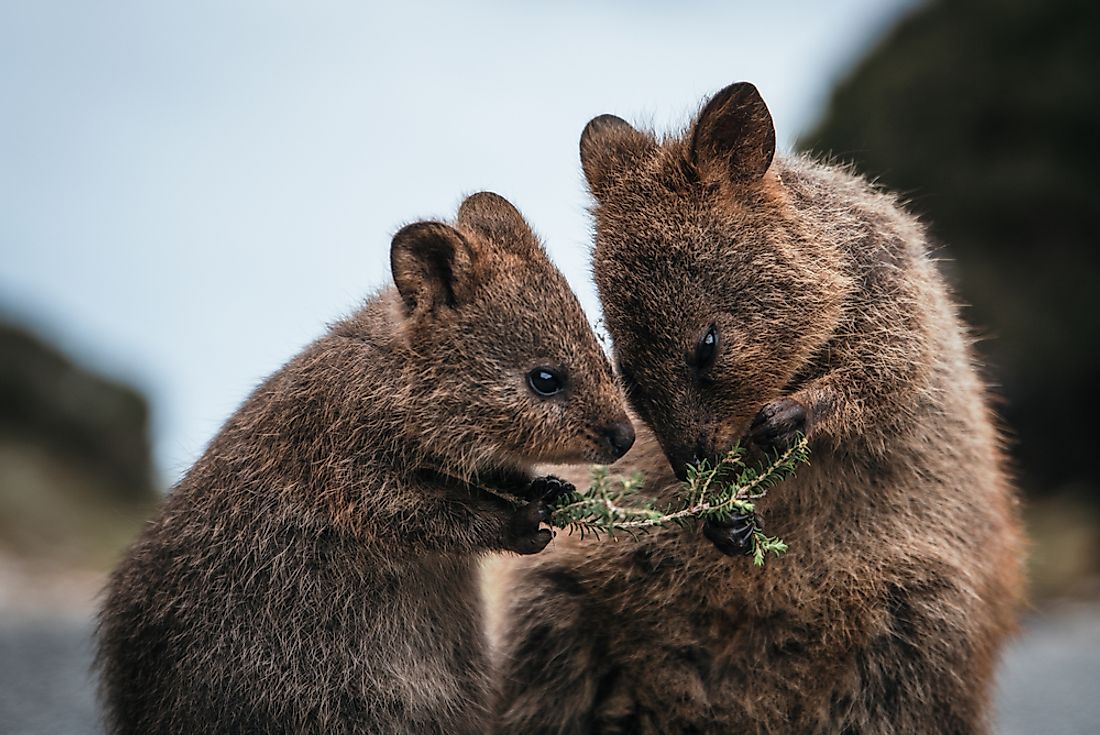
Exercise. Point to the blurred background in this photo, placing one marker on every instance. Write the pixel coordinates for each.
(190, 191)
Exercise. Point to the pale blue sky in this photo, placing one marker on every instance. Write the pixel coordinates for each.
(191, 190)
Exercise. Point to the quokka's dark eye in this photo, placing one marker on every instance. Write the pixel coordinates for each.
(545, 382)
(706, 349)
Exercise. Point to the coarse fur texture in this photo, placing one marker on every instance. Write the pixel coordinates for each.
(316, 570)
(904, 572)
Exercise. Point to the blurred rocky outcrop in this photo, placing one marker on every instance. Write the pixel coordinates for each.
(76, 474)
(984, 115)
(85, 417)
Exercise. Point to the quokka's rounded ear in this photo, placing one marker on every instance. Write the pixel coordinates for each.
(735, 134)
(497, 220)
(609, 146)
(433, 267)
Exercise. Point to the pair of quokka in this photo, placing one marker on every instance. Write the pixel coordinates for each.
(316, 571)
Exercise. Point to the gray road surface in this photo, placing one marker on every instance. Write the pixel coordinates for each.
(1049, 684)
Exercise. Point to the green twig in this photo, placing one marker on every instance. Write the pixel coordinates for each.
(613, 503)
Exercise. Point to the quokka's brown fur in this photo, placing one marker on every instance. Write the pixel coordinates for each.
(904, 570)
(316, 570)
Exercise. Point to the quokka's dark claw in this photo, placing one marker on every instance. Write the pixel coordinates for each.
(778, 424)
(548, 488)
(524, 533)
(736, 537)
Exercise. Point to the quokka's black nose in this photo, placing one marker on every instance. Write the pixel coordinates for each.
(619, 437)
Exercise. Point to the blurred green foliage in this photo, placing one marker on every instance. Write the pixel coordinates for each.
(985, 116)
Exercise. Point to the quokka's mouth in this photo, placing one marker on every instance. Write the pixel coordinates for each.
(591, 447)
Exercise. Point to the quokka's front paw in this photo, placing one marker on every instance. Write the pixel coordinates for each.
(735, 537)
(547, 489)
(524, 535)
(778, 424)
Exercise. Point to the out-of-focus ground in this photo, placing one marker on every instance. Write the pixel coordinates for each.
(1047, 683)
(46, 684)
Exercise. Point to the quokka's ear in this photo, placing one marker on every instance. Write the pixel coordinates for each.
(609, 146)
(495, 218)
(433, 267)
(734, 134)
